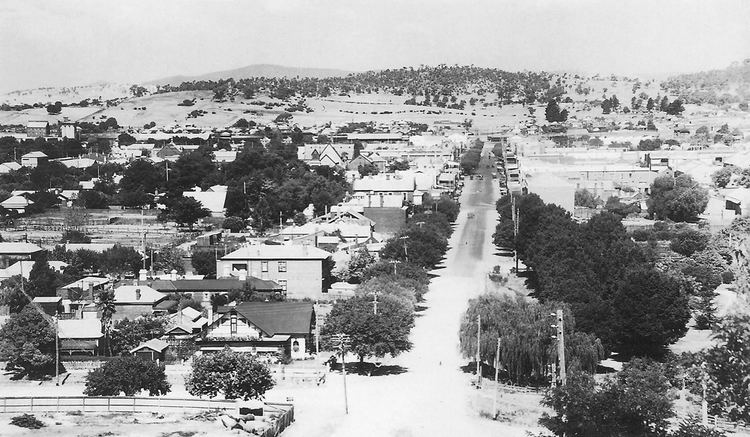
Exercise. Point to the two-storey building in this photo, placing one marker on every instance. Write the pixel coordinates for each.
(298, 269)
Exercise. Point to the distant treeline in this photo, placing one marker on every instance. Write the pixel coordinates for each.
(442, 80)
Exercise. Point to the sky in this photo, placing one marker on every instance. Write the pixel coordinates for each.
(78, 42)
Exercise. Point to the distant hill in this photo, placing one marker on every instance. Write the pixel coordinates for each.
(258, 70)
(728, 85)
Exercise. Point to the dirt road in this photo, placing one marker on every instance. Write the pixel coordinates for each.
(431, 396)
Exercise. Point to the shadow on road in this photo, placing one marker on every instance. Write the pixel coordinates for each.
(370, 369)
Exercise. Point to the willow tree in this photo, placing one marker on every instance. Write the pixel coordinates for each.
(527, 348)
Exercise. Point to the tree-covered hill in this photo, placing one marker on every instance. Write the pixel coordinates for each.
(442, 80)
(729, 85)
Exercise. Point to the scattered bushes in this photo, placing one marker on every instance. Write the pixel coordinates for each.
(27, 421)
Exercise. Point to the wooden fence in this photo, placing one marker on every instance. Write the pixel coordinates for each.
(519, 389)
(21, 404)
(728, 425)
(283, 412)
(283, 373)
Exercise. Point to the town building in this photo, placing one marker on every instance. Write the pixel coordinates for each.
(298, 269)
(37, 128)
(33, 159)
(80, 336)
(10, 253)
(133, 301)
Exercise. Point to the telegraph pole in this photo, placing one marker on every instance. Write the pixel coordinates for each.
(394, 262)
(514, 215)
(341, 341)
(479, 337)
(406, 252)
(560, 345)
(497, 368)
(57, 348)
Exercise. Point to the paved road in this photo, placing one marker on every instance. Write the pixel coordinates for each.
(432, 397)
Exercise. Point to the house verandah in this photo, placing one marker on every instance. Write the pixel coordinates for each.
(261, 328)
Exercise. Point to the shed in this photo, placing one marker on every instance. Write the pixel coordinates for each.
(153, 350)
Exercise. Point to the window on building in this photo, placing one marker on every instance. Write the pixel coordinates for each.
(264, 266)
(282, 266)
(282, 284)
(233, 324)
(239, 267)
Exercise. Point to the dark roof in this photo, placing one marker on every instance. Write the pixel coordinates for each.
(276, 317)
(213, 285)
(165, 304)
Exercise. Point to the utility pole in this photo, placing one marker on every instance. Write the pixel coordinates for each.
(57, 348)
(497, 369)
(406, 252)
(342, 341)
(704, 401)
(479, 338)
(560, 345)
(394, 262)
(514, 213)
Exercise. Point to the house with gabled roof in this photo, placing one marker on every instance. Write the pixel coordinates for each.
(133, 301)
(7, 167)
(33, 159)
(356, 163)
(80, 336)
(153, 350)
(212, 200)
(283, 328)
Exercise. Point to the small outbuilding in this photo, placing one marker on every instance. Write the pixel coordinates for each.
(153, 350)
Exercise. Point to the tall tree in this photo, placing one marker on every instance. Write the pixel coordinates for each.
(678, 198)
(372, 335)
(232, 374)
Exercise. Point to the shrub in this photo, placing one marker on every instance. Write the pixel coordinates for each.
(688, 241)
(727, 277)
(642, 234)
(27, 421)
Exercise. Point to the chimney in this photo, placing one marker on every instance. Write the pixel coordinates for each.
(137, 294)
(142, 274)
(173, 275)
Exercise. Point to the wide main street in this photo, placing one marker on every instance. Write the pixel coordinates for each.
(431, 396)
